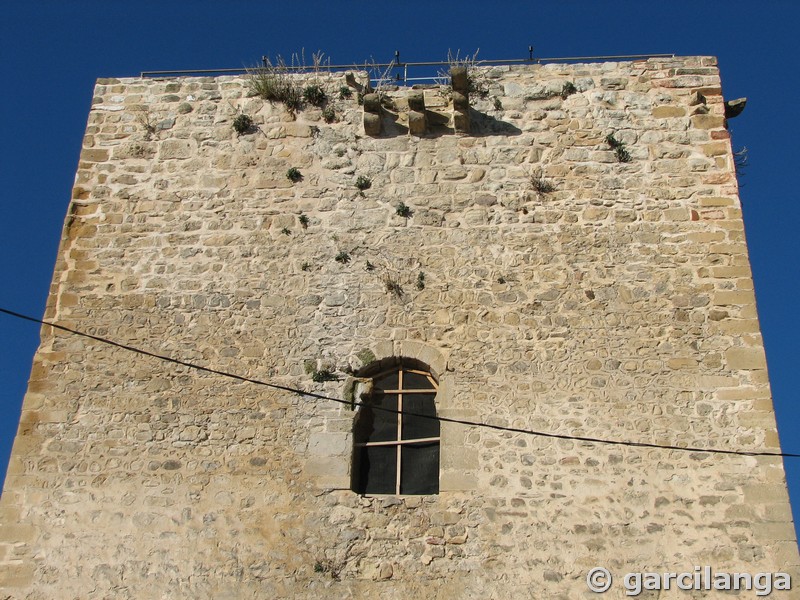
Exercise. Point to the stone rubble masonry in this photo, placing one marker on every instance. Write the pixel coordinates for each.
(617, 305)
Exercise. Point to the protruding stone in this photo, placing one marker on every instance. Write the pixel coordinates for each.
(459, 78)
(460, 101)
(733, 108)
(461, 122)
(460, 81)
(696, 98)
(416, 101)
(372, 103)
(417, 121)
(372, 124)
(417, 124)
(372, 114)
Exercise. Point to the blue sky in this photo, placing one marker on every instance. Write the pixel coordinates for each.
(51, 52)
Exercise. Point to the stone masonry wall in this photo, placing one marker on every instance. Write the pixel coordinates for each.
(617, 305)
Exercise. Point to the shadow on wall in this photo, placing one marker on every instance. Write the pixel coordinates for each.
(439, 125)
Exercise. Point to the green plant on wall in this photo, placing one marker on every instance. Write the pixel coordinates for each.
(477, 82)
(363, 183)
(393, 287)
(319, 373)
(273, 82)
(243, 124)
(402, 210)
(342, 257)
(324, 375)
(541, 185)
(294, 175)
(145, 119)
(314, 94)
(619, 148)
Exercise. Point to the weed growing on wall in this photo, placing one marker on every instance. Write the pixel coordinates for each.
(243, 124)
(619, 148)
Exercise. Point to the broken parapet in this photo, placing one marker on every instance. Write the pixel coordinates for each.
(460, 82)
(417, 120)
(372, 114)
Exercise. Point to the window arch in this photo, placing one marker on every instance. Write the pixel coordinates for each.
(396, 450)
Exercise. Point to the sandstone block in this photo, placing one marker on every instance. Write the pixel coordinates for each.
(708, 121)
(742, 298)
(94, 155)
(176, 149)
(329, 444)
(456, 481)
(668, 112)
(716, 148)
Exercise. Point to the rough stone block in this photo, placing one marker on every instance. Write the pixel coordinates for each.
(15, 575)
(457, 481)
(176, 149)
(329, 472)
(329, 444)
(465, 459)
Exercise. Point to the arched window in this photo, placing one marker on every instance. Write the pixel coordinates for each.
(396, 451)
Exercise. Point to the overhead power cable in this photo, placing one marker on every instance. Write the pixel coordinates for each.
(545, 434)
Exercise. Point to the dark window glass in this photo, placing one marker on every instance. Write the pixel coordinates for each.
(420, 469)
(419, 427)
(415, 381)
(387, 381)
(378, 469)
(376, 425)
(378, 454)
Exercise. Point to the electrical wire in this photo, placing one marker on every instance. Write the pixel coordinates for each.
(292, 390)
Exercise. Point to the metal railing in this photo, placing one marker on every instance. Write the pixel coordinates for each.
(399, 69)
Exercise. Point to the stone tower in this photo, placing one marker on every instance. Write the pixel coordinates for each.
(559, 251)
